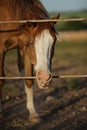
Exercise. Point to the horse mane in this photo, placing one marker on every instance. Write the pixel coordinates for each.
(21, 10)
(28, 9)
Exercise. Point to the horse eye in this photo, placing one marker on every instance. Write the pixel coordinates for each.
(31, 41)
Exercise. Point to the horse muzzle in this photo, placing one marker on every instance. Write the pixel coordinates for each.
(43, 79)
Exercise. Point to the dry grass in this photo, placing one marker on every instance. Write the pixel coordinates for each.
(72, 35)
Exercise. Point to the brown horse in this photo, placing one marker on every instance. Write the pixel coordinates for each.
(34, 41)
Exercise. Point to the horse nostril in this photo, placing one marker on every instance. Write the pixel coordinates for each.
(39, 79)
(38, 75)
(50, 78)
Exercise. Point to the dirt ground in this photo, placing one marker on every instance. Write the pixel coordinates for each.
(59, 107)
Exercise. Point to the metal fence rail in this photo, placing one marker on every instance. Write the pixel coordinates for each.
(32, 78)
(43, 21)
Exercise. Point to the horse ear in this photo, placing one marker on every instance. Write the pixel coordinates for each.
(55, 17)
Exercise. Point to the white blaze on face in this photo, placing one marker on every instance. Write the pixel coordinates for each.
(43, 45)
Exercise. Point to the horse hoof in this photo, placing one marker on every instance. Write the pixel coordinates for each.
(35, 119)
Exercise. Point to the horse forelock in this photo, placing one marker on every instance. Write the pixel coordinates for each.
(20, 10)
(46, 26)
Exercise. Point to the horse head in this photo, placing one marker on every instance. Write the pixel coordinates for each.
(40, 46)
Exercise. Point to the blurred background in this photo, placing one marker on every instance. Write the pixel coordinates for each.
(63, 6)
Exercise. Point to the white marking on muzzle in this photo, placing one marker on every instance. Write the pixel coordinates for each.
(43, 45)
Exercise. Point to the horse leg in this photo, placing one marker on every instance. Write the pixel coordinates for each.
(34, 117)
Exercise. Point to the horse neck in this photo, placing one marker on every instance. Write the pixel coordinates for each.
(7, 14)
(3, 11)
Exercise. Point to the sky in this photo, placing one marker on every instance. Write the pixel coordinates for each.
(64, 5)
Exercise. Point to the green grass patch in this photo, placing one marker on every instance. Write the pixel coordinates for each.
(69, 26)
(71, 53)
